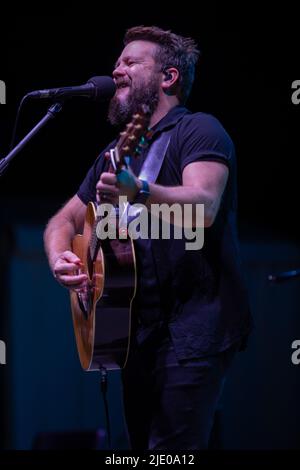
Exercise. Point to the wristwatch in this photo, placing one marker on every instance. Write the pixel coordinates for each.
(143, 193)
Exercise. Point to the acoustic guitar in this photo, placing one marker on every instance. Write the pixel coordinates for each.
(102, 314)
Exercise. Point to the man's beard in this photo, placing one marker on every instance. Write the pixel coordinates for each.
(121, 112)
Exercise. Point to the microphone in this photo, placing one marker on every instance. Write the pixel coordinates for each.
(284, 276)
(97, 88)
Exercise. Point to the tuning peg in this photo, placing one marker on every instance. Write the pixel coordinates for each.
(143, 142)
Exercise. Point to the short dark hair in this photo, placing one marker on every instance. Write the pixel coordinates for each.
(173, 51)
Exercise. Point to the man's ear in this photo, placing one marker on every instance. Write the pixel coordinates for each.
(171, 76)
(168, 75)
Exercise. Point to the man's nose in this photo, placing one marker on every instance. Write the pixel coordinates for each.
(119, 71)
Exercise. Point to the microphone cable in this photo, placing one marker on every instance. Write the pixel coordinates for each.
(103, 384)
(14, 133)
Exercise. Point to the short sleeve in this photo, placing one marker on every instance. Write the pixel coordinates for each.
(201, 137)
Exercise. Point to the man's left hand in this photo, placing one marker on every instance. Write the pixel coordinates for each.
(111, 186)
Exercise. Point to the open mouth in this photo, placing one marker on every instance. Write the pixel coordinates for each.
(122, 85)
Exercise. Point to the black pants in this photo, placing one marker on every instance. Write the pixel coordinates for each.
(170, 404)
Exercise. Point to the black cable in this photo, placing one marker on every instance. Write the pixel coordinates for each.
(103, 384)
(14, 133)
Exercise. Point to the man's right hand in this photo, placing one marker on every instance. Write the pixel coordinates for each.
(67, 271)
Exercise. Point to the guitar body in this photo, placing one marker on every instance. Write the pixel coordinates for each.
(102, 316)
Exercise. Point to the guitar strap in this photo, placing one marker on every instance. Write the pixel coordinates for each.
(149, 171)
(152, 165)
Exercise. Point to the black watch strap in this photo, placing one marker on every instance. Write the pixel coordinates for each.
(143, 193)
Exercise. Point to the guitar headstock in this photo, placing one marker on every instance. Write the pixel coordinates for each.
(132, 139)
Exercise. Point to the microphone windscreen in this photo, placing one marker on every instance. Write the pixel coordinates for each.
(104, 87)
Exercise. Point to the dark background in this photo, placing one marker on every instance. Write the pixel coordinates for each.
(249, 61)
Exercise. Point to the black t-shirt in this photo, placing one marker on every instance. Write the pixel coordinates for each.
(199, 294)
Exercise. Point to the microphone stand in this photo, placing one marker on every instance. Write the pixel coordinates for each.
(51, 113)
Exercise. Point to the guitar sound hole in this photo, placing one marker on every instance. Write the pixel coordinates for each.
(85, 300)
(90, 265)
